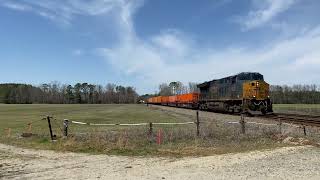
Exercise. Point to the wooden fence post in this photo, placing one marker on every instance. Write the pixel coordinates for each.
(8, 132)
(150, 131)
(65, 127)
(50, 128)
(280, 126)
(30, 127)
(198, 124)
(304, 130)
(243, 126)
(159, 137)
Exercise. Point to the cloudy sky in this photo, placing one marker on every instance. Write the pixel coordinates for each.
(146, 42)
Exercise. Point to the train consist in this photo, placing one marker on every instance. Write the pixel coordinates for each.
(246, 92)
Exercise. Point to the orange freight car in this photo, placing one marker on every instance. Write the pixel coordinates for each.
(150, 100)
(158, 100)
(172, 99)
(164, 100)
(188, 100)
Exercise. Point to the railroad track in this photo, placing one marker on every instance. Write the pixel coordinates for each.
(300, 119)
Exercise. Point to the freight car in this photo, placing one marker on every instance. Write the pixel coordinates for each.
(242, 93)
(189, 100)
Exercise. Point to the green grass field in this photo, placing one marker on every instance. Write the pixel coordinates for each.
(17, 117)
(297, 108)
(179, 140)
(84, 138)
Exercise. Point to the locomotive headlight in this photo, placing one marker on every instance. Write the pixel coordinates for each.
(257, 83)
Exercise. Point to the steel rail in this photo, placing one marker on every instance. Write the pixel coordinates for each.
(301, 119)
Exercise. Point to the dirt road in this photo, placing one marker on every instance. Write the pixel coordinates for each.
(283, 163)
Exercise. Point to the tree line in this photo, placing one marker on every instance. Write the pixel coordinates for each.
(84, 93)
(56, 93)
(296, 94)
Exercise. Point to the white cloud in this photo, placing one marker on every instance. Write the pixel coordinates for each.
(77, 52)
(64, 11)
(294, 60)
(172, 42)
(267, 10)
(15, 6)
(173, 55)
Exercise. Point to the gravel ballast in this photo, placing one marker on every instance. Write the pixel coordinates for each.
(301, 162)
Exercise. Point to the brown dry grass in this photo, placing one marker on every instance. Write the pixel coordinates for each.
(216, 135)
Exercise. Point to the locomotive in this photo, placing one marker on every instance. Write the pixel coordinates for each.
(245, 92)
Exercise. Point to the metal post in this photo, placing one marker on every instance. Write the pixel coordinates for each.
(50, 128)
(65, 127)
(198, 124)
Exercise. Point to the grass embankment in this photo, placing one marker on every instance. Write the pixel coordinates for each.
(313, 109)
(216, 138)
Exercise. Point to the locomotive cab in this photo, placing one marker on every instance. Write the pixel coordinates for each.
(256, 97)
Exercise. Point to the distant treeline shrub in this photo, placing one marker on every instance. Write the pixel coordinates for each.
(56, 93)
(296, 94)
(84, 93)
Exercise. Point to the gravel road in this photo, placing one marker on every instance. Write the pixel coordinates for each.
(301, 162)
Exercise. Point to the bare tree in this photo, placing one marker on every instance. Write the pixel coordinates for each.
(165, 90)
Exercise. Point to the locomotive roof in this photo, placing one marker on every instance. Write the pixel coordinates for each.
(242, 74)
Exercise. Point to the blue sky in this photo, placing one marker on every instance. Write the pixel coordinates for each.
(143, 43)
